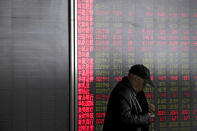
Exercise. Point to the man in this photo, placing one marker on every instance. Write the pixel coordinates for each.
(127, 108)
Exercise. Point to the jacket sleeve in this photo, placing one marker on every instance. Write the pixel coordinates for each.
(123, 111)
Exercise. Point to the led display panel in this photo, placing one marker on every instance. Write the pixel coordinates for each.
(113, 35)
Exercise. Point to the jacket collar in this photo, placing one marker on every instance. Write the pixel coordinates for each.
(130, 86)
(133, 93)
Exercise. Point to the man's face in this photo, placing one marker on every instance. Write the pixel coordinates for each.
(140, 83)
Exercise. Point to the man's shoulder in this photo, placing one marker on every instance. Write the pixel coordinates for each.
(122, 89)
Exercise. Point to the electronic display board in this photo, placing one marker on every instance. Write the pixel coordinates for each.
(113, 35)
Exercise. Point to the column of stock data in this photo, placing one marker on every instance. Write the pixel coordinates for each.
(85, 65)
(101, 61)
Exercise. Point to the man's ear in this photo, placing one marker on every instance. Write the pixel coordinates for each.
(130, 75)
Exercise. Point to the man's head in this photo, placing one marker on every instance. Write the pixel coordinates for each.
(139, 75)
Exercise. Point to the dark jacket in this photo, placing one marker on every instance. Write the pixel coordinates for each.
(126, 110)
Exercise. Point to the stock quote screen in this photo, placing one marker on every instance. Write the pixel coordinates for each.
(113, 35)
